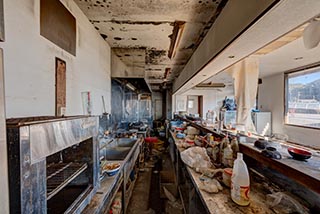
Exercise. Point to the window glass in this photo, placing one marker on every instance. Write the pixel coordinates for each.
(303, 98)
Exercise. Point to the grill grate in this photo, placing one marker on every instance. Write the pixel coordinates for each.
(61, 174)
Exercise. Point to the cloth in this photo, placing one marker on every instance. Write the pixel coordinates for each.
(245, 74)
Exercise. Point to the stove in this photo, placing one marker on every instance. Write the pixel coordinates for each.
(53, 163)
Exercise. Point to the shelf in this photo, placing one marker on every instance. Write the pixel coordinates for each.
(129, 191)
(184, 199)
(60, 175)
(200, 127)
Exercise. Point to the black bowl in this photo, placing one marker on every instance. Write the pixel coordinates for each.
(299, 154)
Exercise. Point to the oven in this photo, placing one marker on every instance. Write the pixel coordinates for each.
(53, 163)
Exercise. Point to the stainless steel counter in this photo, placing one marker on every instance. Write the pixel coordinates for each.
(109, 186)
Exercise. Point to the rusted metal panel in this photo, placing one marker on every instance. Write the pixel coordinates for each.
(1, 22)
(58, 25)
(60, 87)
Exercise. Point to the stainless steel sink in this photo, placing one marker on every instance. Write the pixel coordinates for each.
(123, 142)
(119, 148)
(117, 153)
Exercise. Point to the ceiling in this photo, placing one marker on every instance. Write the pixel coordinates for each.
(284, 54)
(141, 32)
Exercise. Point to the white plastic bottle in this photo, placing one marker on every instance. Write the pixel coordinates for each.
(240, 182)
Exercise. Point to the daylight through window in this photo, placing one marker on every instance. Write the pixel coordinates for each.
(303, 98)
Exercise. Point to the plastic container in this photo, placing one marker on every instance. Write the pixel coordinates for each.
(235, 147)
(224, 143)
(227, 159)
(226, 176)
(240, 182)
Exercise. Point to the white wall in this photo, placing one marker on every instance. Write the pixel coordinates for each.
(29, 63)
(4, 184)
(271, 98)
(212, 99)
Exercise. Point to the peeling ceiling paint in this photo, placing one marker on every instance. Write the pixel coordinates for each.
(139, 30)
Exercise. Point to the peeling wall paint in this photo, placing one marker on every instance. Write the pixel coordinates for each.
(29, 64)
(148, 24)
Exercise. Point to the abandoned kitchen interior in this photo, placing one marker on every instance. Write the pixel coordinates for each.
(160, 106)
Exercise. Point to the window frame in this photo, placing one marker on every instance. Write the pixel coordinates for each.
(307, 70)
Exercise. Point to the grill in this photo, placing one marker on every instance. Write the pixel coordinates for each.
(60, 175)
(53, 163)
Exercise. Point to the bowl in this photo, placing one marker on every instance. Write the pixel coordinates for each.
(180, 135)
(111, 169)
(299, 154)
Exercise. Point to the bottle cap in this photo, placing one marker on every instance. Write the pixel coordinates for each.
(239, 155)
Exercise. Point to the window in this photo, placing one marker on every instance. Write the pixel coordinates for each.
(303, 98)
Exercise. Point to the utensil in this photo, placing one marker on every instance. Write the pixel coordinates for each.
(299, 154)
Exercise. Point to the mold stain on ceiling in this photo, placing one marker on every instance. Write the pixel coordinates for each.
(140, 32)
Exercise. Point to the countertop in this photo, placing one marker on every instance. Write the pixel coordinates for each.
(221, 202)
(306, 173)
(109, 186)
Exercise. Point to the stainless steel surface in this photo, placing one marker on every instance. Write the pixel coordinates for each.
(49, 138)
(28, 183)
(117, 153)
(61, 174)
(123, 142)
(80, 204)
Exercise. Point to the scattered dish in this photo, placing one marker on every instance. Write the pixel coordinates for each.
(299, 154)
(111, 168)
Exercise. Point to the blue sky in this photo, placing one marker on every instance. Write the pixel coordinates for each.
(304, 79)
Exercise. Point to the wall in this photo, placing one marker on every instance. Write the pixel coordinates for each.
(29, 63)
(212, 99)
(4, 196)
(271, 98)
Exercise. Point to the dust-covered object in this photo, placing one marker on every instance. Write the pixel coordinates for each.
(174, 207)
(196, 157)
(210, 185)
(169, 195)
(210, 173)
(280, 202)
(192, 131)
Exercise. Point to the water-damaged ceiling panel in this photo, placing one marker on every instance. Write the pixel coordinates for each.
(149, 27)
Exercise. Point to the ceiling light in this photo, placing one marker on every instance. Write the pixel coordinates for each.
(175, 37)
(298, 58)
(211, 85)
(311, 34)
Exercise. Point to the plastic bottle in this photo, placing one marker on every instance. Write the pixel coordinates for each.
(235, 147)
(227, 159)
(240, 182)
(224, 143)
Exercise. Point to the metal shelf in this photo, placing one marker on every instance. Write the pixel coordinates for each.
(60, 175)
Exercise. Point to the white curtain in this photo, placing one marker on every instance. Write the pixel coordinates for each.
(245, 74)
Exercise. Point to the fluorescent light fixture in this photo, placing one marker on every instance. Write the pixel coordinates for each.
(311, 34)
(175, 38)
(130, 86)
(211, 85)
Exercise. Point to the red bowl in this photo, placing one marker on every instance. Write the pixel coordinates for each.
(190, 141)
(299, 154)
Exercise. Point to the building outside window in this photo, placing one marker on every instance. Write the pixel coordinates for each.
(303, 98)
